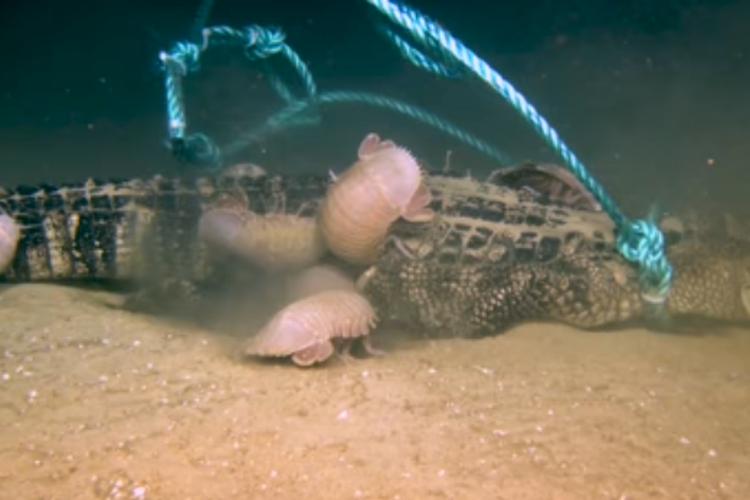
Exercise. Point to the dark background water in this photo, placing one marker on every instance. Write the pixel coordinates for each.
(651, 95)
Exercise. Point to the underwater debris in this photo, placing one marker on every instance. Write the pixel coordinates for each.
(553, 182)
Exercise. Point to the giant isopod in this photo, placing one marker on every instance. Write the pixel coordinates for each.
(306, 329)
(384, 184)
(321, 278)
(273, 242)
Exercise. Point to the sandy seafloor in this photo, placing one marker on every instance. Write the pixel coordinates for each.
(100, 403)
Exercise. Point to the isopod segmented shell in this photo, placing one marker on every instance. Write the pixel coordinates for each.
(317, 279)
(272, 242)
(9, 236)
(304, 328)
(384, 184)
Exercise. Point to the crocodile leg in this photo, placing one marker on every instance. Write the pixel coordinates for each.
(470, 301)
(582, 289)
(712, 280)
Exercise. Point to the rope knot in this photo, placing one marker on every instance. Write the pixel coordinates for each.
(197, 149)
(263, 42)
(183, 59)
(641, 242)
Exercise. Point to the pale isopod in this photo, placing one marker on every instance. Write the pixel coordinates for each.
(384, 184)
(272, 242)
(318, 279)
(305, 329)
(9, 236)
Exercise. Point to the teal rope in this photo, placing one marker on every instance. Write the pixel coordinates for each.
(416, 57)
(258, 43)
(297, 114)
(639, 241)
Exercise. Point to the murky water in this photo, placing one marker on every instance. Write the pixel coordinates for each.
(104, 404)
(99, 403)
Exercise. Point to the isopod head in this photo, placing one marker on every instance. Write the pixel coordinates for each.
(220, 227)
(287, 333)
(316, 353)
(384, 184)
(9, 236)
(397, 175)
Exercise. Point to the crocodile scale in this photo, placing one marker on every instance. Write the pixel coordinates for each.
(492, 256)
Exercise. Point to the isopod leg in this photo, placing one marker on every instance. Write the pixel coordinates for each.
(346, 349)
(369, 349)
(345, 353)
(401, 246)
(316, 353)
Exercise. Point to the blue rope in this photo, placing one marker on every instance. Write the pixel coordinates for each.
(639, 241)
(258, 43)
(297, 114)
(416, 57)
